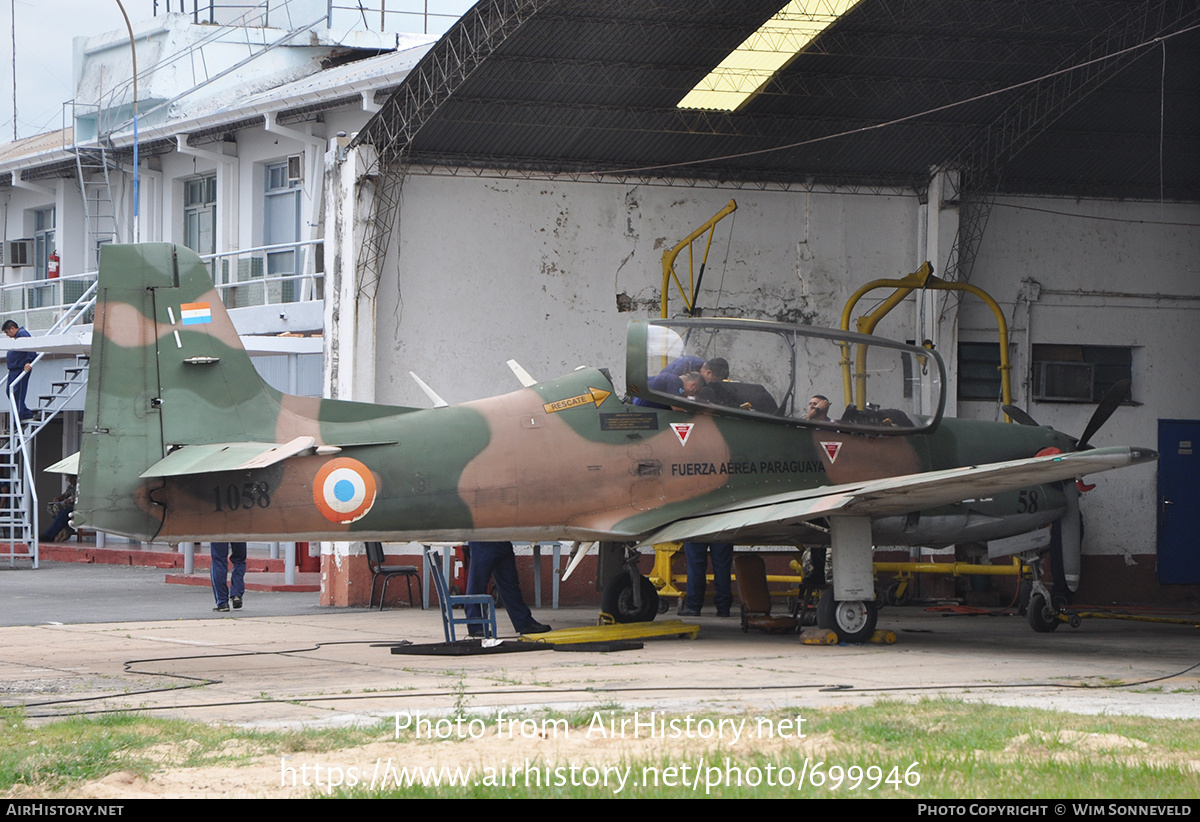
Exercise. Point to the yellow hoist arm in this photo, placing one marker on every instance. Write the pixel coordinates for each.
(668, 261)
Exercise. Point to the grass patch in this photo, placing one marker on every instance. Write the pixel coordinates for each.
(53, 756)
(929, 750)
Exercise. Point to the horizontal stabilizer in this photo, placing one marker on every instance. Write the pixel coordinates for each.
(66, 465)
(226, 456)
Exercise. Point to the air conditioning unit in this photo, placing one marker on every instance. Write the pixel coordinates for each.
(18, 253)
(295, 168)
(1064, 381)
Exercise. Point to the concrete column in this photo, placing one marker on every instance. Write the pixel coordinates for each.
(349, 363)
(939, 227)
(349, 317)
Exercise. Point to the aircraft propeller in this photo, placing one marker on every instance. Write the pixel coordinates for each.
(1018, 416)
(1109, 403)
(1072, 522)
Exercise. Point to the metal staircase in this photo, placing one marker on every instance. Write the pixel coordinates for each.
(18, 494)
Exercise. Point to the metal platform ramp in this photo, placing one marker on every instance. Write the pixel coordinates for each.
(616, 632)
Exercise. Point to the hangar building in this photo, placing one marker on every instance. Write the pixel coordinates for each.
(512, 193)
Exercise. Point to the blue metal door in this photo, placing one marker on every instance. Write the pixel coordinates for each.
(1178, 491)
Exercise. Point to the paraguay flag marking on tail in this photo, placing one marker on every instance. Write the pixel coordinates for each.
(195, 313)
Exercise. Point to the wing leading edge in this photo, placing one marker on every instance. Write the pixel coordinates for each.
(781, 517)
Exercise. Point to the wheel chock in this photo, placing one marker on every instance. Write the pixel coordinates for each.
(827, 637)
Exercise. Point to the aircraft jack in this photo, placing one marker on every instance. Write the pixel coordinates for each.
(827, 637)
(610, 631)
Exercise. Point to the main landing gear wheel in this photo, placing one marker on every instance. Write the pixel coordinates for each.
(1041, 616)
(894, 596)
(618, 600)
(852, 620)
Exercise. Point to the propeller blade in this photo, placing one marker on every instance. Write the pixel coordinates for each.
(1111, 401)
(1018, 416)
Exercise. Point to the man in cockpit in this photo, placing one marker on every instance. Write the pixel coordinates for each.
(818, 408)
(688, 384)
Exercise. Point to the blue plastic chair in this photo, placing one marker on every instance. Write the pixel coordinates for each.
(448, 601)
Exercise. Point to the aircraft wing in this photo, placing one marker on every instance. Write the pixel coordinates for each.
(784, 517)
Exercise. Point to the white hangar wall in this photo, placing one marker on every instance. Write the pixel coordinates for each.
(483, 270)
(1099, 273)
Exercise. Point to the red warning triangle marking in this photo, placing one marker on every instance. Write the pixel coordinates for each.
(682, 430)
(832, 449)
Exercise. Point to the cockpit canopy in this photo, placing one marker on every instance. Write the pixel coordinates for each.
(773, 371)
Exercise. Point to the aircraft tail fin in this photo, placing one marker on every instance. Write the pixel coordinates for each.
(167, 370)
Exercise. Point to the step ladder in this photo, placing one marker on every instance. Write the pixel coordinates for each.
(92, 164)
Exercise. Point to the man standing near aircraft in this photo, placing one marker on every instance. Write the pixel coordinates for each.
(496, 560)
(697, 572)
(228, 593)
(19, 362)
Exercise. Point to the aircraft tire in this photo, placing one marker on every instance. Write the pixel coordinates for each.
(1041, 616)
(851, 620)
(618, 600)
(892, 595)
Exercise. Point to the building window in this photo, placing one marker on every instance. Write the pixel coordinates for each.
(979, 371)
(200, 214)
(281, 224)
(43, 246)
(43, 240)
(1078, 373)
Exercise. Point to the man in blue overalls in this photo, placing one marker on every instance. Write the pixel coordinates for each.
(19, 362)
(228, 593)
(496, 560)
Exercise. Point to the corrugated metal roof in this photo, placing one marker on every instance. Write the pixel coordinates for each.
(593, 85)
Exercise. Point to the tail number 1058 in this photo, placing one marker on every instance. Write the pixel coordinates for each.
(244, 497)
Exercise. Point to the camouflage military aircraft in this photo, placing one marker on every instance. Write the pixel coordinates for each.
(183, 441)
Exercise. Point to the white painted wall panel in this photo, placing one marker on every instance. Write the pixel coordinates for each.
(1110, 273)
(487, 269)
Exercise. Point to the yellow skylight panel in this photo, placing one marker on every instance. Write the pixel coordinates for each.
(748, 67)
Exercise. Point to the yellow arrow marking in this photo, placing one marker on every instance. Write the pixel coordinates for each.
(594, 395)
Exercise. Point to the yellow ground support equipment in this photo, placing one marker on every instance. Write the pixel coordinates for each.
(608, 631)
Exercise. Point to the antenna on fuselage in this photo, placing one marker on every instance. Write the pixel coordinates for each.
(438, 402)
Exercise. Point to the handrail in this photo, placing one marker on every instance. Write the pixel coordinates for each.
(71, 317)
(16, 433)
(309, 275)
(307, 282)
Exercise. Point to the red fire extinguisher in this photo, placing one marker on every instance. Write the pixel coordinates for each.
(52, 266)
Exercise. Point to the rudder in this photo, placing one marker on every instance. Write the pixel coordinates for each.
(167, 369)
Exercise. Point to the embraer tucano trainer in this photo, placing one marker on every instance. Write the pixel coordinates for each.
(184, 442)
